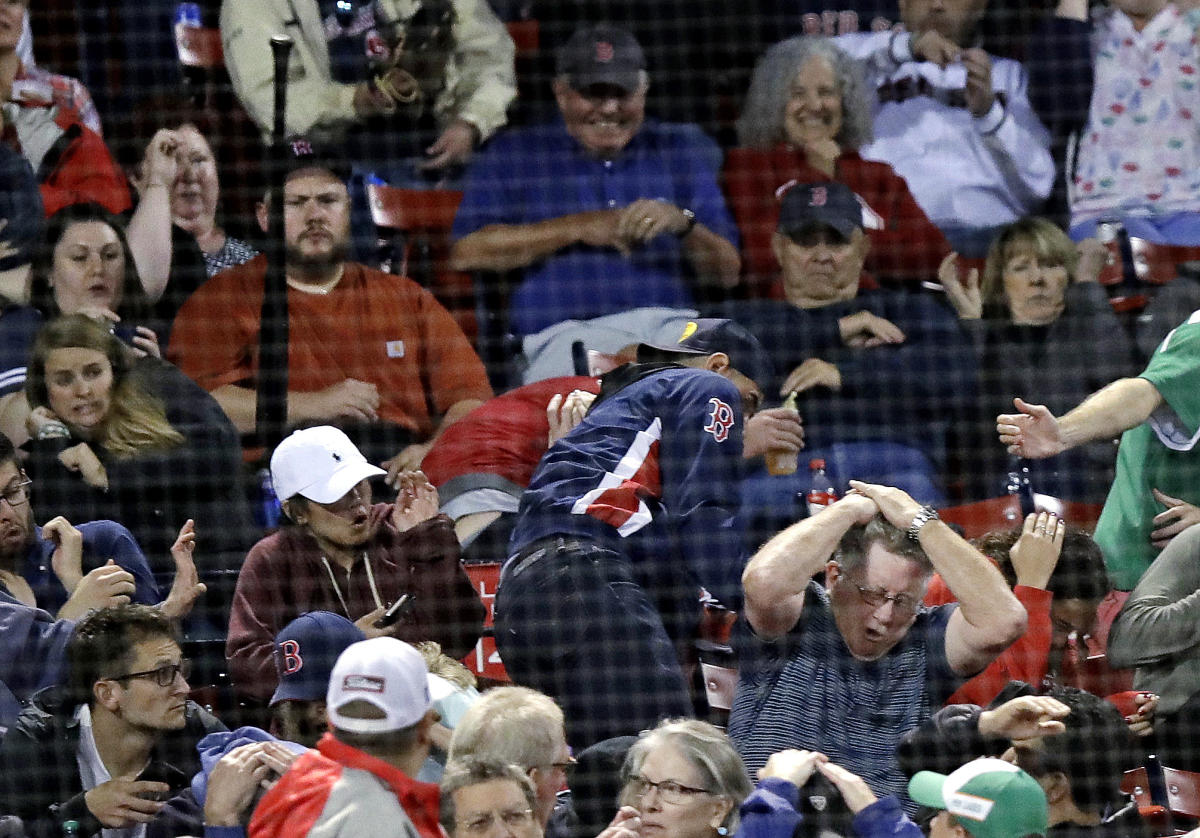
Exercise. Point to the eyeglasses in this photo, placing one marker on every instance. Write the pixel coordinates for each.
(668, 790)
(481, 823)
(164, 676)
(17, 493)
(905, 604)
(567, 766)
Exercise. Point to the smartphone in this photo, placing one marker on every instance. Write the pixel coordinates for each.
(396, 611)
(124, 333)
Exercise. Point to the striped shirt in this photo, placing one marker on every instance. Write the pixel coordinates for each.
(805, 690)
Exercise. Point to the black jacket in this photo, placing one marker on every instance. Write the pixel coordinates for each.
(39, 774)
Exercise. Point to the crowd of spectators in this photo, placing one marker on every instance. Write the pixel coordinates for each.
(894, 241)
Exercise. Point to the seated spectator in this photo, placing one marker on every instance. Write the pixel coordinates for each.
(989, 798)
(849, 668)
(1155, 633)
(684, 779)
(1156, 414)
(1074, 744)
(880, 375)
(479, 794)
(1057, 573)
(342, 553)
(1146, 180)
(134, 442)
(521, 727)
(119, 740)
(359, 780)
(1034, 319)
(954, 122)
(173, 231)
(304, 654)
(46, 567)
(386, 80)
(627, 214)
(805, 117)
(51, 120)
(374, 352)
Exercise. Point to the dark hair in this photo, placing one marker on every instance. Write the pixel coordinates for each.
(134, 308)
(851, 552)
(1093, 753)
(136, 420)
(103, 643)
(472, 771)
(392, 741)
(1079, 573)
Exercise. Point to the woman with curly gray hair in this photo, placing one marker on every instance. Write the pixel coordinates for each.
(806, 115)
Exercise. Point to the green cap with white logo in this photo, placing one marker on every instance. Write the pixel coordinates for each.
(990, 798)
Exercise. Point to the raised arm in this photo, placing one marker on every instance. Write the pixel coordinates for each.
(989, 616)
(1036, 433)
(776, 577)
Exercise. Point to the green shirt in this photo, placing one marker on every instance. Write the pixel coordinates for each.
(1158, 454)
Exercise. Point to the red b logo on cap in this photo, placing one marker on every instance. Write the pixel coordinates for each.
(604, 52)
(292, 662)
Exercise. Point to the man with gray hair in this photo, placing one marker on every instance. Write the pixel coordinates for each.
(523, 727)
(481, 794)
(849, 668)
(628, 213)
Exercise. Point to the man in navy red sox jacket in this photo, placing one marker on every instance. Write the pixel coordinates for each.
(626, 518)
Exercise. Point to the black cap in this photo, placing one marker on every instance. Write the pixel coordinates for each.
(806, 205)
(602, 54)
(711, 334)
(301, 153)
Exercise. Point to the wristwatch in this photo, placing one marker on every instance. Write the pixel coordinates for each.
(691, 223)
(923, 517)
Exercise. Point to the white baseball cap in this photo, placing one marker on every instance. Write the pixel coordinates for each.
(319, 463)
(386, 673)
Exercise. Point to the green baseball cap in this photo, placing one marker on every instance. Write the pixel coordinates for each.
(990, 798)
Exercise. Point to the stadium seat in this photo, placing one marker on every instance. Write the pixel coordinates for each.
(1004, 513)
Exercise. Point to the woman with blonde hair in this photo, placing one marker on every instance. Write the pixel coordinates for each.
(132, 440)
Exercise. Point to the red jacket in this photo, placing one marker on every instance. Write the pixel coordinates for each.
(338, 790)
(908, 247)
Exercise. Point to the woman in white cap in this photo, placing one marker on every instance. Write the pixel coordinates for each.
(345, 554)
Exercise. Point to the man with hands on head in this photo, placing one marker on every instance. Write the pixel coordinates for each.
(954, 121)
(1157, 415)
(849, 668)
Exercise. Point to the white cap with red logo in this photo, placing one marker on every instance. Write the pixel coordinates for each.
(386, 673)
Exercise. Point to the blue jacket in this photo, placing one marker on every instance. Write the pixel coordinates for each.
(770, 812)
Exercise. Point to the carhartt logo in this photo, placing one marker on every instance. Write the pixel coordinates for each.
(604, 52)
(395, 348)
(362, 683)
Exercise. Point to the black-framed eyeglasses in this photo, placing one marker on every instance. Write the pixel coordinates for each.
(17, 493)
(668, 790)
(905, 604)
(164, 675)
(481, 823)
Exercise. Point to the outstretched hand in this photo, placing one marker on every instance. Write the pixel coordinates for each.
(1027, 717)
(416, 500)
(1032, 433)
(966, 298)
(1036, 552)
(186, 588)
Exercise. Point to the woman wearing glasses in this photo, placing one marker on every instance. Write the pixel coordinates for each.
(133, 441)
(686, 780)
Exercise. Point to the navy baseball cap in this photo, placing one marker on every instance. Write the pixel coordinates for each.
(602, 54)
(303, 153)
(306, 650)
(714, 334)
(807, 205)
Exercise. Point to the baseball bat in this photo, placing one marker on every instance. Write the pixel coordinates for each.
(270, 414)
